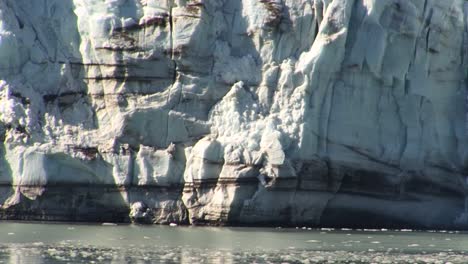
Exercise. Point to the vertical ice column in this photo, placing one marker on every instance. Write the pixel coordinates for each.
(466, 206)
(462, 219)
(465, 63)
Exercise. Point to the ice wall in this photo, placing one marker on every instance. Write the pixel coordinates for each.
(318, 112)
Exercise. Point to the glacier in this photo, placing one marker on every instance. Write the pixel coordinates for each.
(349, 113)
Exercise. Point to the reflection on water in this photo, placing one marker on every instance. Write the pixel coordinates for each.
(71, 243)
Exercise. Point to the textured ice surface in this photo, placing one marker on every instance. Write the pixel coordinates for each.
(337, 112)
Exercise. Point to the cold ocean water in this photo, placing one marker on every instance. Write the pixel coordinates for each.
(109, 243)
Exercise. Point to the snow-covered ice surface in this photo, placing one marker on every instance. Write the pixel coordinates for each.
(235, 111)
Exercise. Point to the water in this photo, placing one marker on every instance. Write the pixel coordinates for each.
(72, 243)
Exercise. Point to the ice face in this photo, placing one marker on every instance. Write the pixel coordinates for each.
(241, 111)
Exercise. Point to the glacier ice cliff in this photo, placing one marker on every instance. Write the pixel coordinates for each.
(291, 112)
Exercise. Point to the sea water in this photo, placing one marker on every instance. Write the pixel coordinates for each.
(110, 243)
